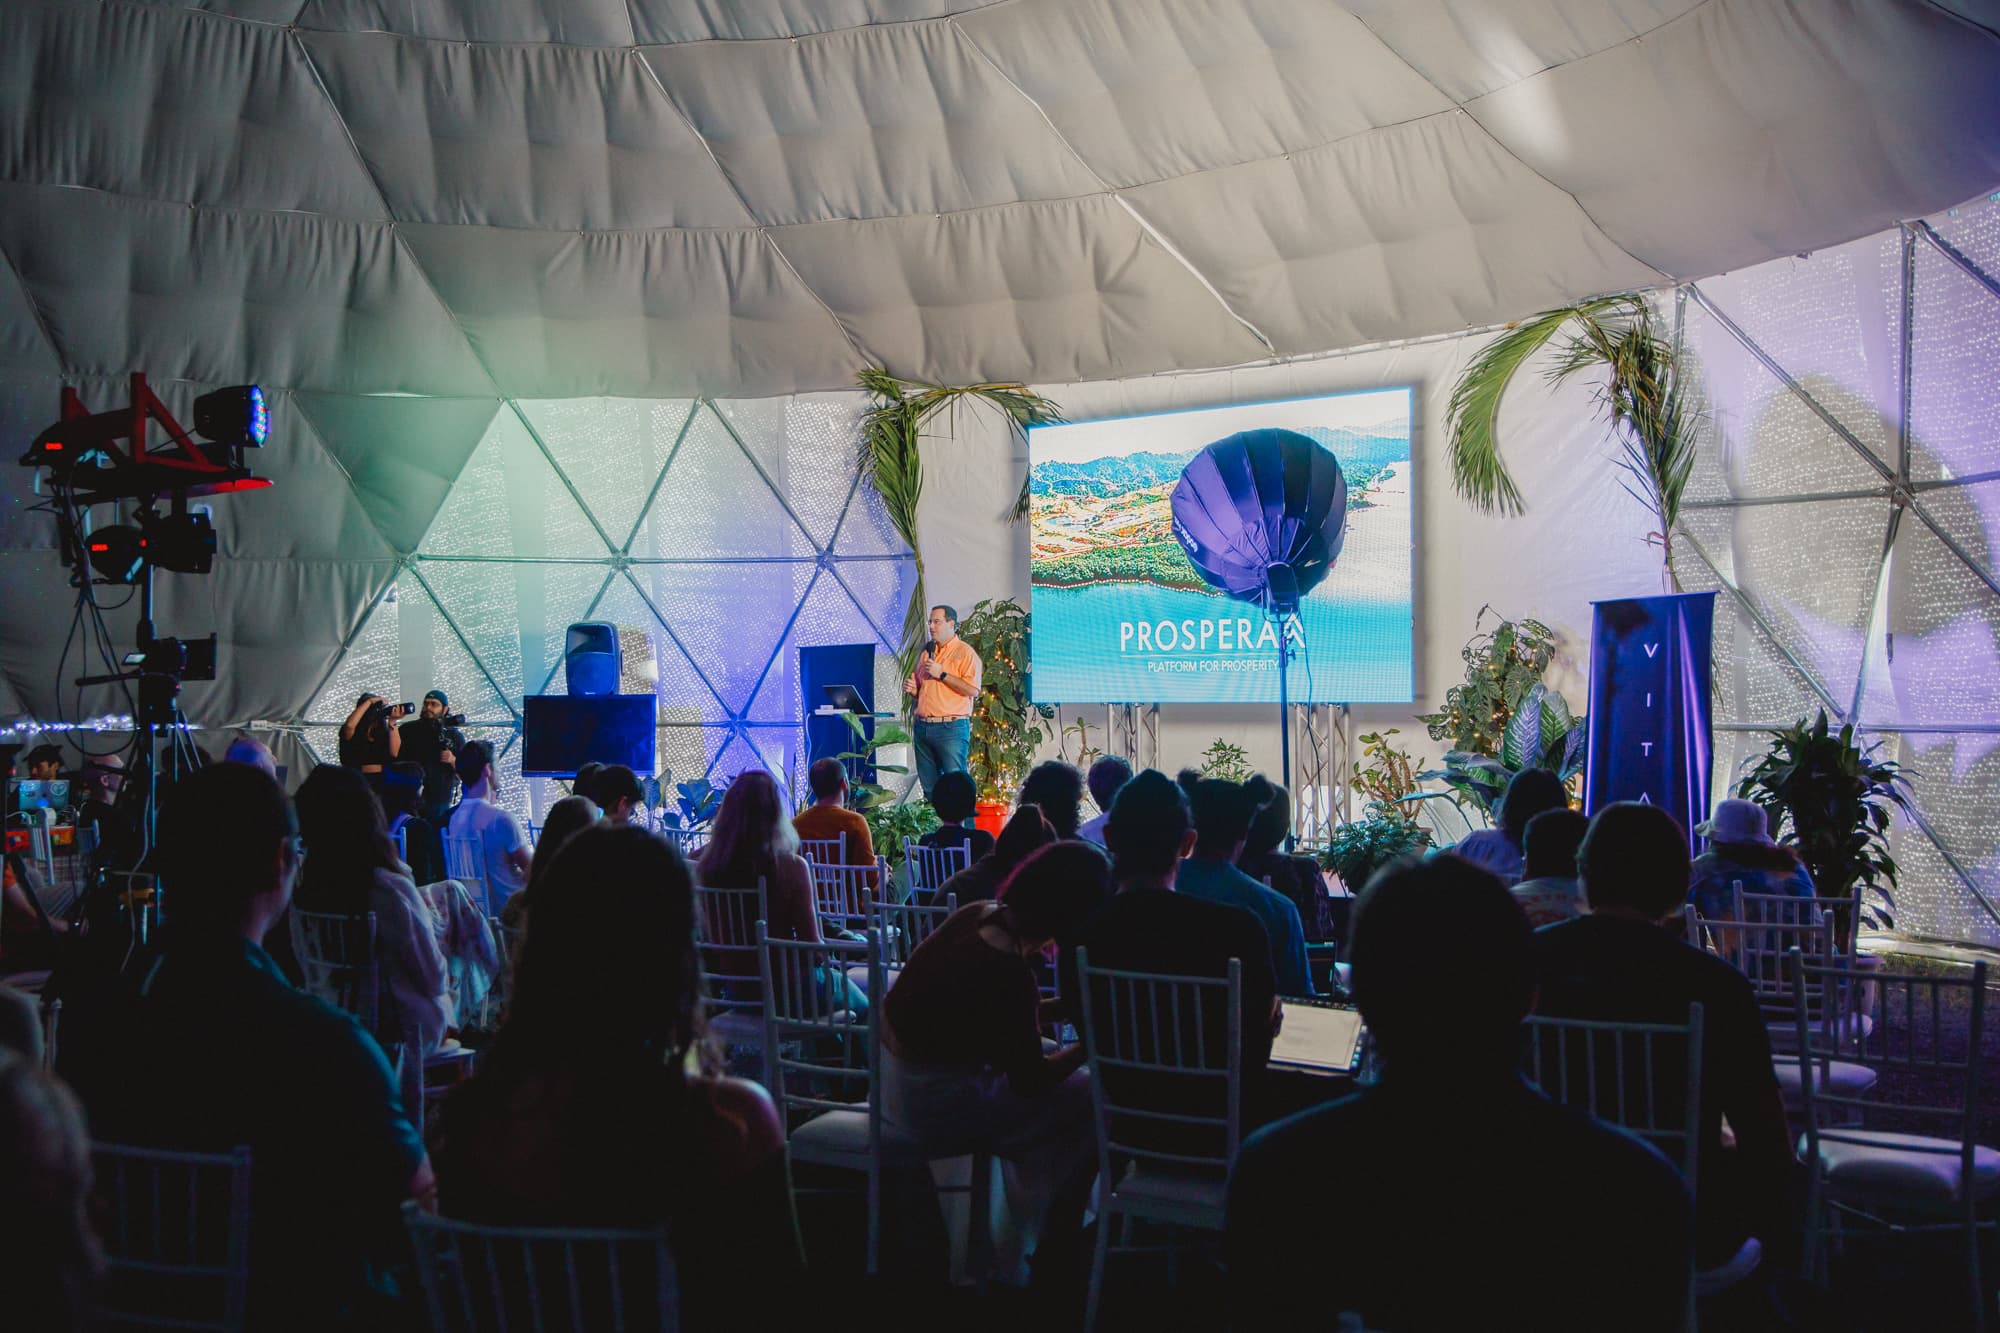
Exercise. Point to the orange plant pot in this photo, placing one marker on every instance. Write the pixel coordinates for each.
(991, 816)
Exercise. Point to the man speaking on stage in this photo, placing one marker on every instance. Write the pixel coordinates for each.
(945, 683)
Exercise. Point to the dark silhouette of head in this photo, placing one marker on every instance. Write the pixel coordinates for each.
(1024, 834)
(1148, 828)
(1634, 859)
(213, 880)
(585, 782)
(1273, 819)
(1550, 843)
(1058, 789)
(346, 839)
(1442, 969)
(49, 1256)
(1056, 889)
(566, 818)
(828, 779)
(1528, 793)
(1107, 775)
(617, 792)
(402, 788)
(474, 758)
(1222, 811)
(954, 797)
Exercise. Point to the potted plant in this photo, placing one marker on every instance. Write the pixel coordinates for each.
(1222, 760)
(1503, 718)
(1357, 849)
(1006, 727)
(889, 820)
(1833, 800)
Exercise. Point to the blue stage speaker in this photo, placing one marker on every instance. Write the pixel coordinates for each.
(590, 659)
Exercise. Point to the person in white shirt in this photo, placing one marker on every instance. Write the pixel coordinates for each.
(1550, 890)
(503, 843)
(1107, 775)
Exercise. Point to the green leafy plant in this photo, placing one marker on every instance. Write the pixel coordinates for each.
(1006, 728)
(1357, 849)
(891, 432)
(866, 796)
(1501, 666)
(1222, 760)
(1390, 777)
(1833, 801)
(1086, 753)
(1646, 398)
(889, 824)
(697, 801)
(1540, 734)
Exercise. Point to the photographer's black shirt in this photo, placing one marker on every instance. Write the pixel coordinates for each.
(363, 750)
(424, 741)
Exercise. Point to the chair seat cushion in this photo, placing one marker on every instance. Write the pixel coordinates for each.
(1890, 1165)
(1158, 1182)
(832, 1134)
(1840, 1078)
(858, 976)
(738, 1027)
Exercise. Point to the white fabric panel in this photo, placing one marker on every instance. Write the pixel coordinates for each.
(663, 21)
(521, 136)
(171, 105)
(257, 11)
(575, 22)
(1429, 224)
(1471, 47)
(1781, 128)
(971, 297)
(633, 313)
(29, 401)
(287, 299)
(400, 454)
(867, 122)
(22, 346)
(1146, 92)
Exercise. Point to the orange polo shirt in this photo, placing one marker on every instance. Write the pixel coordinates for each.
(937, 701)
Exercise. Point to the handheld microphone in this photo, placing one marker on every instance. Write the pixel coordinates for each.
(930, 648)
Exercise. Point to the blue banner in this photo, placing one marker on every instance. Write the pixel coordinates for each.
(1650, 734)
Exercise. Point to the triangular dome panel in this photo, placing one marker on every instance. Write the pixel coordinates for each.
(401, 453)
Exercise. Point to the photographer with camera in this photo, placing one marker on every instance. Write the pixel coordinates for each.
(433, 740)
(369, 740)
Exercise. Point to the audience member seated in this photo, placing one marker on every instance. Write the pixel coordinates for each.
(566, 818)
(103, 778)
(1477, 1203)
(751, 839)
(1106, 777)
(402, 795)
(350, 868)
(1222, 812)
(955, 799)
(30, 939)
(1624, 961)
(1551, 892)
(828, 816)
(618, 793)
(1078, 877)
(1264, 858)
(218, 1050)
(597, 1105)
(963, 1068)
(1027, 831)
(1498, 849)
(1741, 851)
(45, 763)
(1057, 788)
(49, 1260)
(502, 841)
(1149, 927)
(249, 750)
(584, 784)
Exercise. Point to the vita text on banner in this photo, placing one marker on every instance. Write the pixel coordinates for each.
(1650, 737)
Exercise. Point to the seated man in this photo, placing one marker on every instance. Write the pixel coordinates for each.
(1550, 890)
(45, 763)
(1106, 777)
(1478, 1203)
(828, 816)
(955, 799)
(1624, 961)
(618, 793)
(1222, 814)
(217, 1050)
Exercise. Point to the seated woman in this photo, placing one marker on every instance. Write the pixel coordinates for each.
(752, 839)
(1498, 849)
(566, 818)
(351, 867)
(597, 1105)
(963, 1068)
(401, 794)
(1297, 877)
(955, 799)
(1076, 875)
(1025, 832)
(1742, 851)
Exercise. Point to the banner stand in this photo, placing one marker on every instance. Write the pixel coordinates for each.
(1650, 705)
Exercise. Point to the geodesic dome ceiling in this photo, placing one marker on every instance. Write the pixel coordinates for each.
(552, 198)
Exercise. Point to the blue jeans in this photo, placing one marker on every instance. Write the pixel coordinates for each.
(940, 747)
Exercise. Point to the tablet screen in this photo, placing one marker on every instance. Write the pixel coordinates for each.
(1326, 1040)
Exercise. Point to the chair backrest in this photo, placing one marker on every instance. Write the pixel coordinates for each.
(823, 851)
(1642, 1077)
(930, 867)
(819, 1055)
(465, 861)
(842, 893)
(506, 950)
(337, 957)
(1166, 1064)
(485, 1279)
(691, 841)
(903, 926)
(176, 1233)
(1929, 1064)
(1764, 929)
(725, 924)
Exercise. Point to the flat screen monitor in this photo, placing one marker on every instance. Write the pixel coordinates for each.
(41, 794)
(1121, 616)
(560, 733)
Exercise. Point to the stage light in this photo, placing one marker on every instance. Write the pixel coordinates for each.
(118, 553)
(235, 416)
(183, 543)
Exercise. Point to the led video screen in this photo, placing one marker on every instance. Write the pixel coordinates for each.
(1122, 616)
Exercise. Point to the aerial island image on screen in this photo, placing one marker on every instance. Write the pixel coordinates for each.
(1104, 560)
